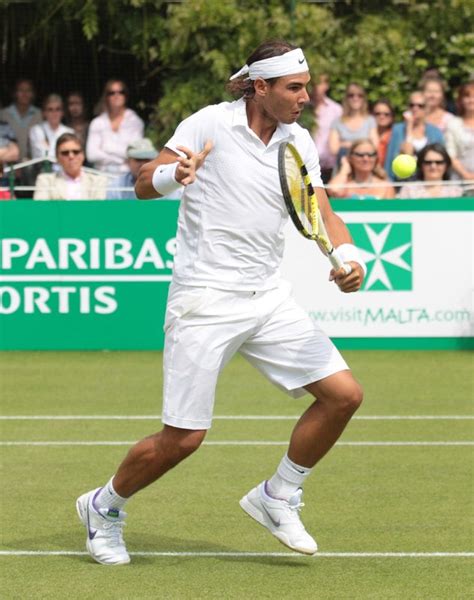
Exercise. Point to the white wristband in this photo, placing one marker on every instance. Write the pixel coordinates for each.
(349, 253)
(163, 179)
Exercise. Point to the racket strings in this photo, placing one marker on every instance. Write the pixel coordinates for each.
(300, 193)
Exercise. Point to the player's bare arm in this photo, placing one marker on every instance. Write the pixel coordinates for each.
(185, 173)
(339, 234)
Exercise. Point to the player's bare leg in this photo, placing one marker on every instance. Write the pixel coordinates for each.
(153, 456)
(275, 503)
(100, 510)
(337, 398)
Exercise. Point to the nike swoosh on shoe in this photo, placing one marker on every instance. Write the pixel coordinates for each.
(276, 523)
(92, 533)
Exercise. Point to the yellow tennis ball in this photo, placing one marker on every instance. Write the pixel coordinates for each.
(404, 165)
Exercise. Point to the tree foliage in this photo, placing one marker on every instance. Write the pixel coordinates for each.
(187, 50)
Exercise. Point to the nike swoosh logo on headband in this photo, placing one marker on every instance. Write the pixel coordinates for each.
(301, 61)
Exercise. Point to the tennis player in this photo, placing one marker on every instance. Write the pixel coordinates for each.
(227, 296)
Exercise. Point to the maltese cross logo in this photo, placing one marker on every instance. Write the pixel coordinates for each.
(387, 251)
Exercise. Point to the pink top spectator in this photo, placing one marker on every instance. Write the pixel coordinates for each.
(106, 148)
(423, 191)
(326, 112)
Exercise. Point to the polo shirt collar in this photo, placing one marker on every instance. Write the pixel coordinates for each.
(283, 131)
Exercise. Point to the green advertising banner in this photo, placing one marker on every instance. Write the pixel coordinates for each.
(85, 275)
(95, 275)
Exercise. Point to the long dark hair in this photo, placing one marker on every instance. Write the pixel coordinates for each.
(386, 103)
(242, 87)
(439, 149)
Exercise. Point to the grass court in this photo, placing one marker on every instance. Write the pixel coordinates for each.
(390, 506)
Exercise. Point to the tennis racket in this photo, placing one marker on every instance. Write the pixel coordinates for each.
(302, 203)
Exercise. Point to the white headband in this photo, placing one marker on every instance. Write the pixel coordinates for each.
(278, 66)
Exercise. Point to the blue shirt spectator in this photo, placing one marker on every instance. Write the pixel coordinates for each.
(9, 151)
(22, 115)
(411, 136)
(433, 136)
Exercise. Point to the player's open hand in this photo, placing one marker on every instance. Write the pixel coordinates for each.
(190, 163)
(348, 282)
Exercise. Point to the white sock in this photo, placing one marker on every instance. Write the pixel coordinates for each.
(288, 478)
(107, 497)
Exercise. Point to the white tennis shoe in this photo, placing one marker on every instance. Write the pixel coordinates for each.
(104, 531)
(280, 517)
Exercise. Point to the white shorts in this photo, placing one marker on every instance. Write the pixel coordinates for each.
(205, 327)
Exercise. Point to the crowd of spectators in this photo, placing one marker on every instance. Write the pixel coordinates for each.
(357, 145)
(79, 158)
(99, 158)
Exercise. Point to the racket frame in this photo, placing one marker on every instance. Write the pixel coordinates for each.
(319, 235)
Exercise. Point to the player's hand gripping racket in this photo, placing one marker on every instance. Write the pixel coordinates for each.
(302, 203)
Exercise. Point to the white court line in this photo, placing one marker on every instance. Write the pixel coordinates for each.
(230, 417)
(252, 554)
(234, 443)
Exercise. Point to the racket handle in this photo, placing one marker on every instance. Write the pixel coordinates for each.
(337, 263)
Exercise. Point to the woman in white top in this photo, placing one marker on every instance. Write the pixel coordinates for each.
(116, 128)
(433, 89)
(43, 137)
(460, 134)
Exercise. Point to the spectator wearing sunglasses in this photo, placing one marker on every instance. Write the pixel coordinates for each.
(355, 123)
(411, 136)
(71, 182)
(434, 166)
(113, 130)
(383, 114)
(44, 136)
(360, 175)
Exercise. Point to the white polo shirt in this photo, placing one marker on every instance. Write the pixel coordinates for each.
(231, 219)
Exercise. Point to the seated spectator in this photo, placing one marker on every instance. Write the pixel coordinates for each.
(325, 111)
(360, 167)
(434, 90)
(384, 115)
(21, 115)
(460, 135)
(138, 153)
(113, 130)
(411, 136)
(9, 150)
(76, 116)
(355, 123)
(433, 168)
(71, 182)
(43, 137)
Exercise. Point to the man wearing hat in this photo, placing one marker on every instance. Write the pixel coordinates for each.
(138, 153)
